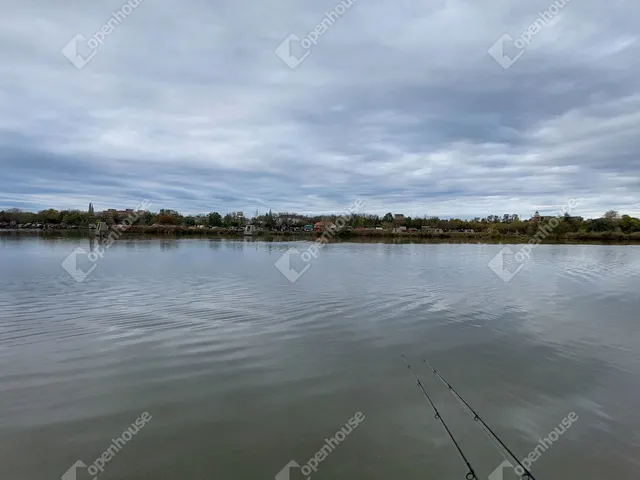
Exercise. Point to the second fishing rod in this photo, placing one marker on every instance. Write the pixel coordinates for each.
(471, 474)
(527, 474)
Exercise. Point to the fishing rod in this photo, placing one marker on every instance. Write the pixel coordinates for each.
(477, 418)
(471, 475)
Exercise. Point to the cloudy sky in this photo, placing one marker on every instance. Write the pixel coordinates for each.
(398, 103)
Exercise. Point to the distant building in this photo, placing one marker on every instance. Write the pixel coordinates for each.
(541, 218)
(239, 217)
(308, 228)
(288, 220)
(398, 217)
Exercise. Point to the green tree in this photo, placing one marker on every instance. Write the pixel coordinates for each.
(629, 224)
(214, 219)
(147, 218)
(269, 221)
(75, 217)
(49, 216)
(228, 221)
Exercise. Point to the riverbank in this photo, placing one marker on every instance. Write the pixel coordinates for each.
(347, 236)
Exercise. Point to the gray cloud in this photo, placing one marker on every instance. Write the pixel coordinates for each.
(399, 104)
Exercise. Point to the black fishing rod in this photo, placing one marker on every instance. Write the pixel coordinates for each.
(477, 418)
(471, 475)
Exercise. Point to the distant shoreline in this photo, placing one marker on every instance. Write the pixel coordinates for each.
(354, 236)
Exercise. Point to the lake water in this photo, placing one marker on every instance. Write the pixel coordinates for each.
(241, 371)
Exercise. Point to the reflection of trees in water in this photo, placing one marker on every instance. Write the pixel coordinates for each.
(236, 246)
(168, 244)
(14, 235)
(129, 244)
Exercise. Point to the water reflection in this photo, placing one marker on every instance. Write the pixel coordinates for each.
(168, 244)
(228, 355)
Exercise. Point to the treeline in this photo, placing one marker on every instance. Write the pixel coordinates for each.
(81, 218)
(507, 224)
(611, 221)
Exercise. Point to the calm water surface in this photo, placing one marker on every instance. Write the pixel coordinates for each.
(243, 371)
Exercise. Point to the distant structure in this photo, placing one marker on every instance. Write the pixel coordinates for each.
(545, 218)
(113, 216)
(399, 218)
(541, 218)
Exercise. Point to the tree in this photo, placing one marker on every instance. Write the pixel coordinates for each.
(214, 219)
(228, 221)
(269, 221)
(612, 218)
(49, 216)
(74, 217)
(146, 218)
(164, 219)
(598, 225)
(388, 217)
(629, 224)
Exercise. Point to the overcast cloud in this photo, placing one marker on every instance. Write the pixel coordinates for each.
(399, 104)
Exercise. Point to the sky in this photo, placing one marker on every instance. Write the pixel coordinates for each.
(196, 106)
